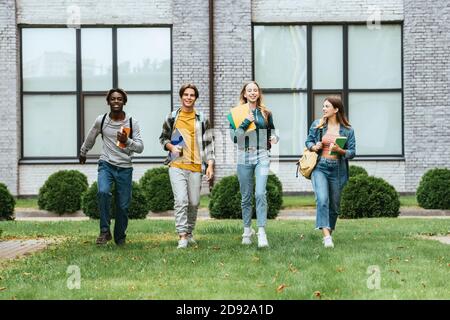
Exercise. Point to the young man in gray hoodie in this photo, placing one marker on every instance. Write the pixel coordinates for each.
(121, 138)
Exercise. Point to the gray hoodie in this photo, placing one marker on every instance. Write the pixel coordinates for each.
(111, 153)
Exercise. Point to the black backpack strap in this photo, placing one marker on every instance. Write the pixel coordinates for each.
(101, 125)
(131, 128)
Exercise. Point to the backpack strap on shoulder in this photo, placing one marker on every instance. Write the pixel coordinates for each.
(101, 125)
(201, 118)
(131, 128)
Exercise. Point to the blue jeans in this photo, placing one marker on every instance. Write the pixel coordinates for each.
(122, 177)
(253, 163)
(326, 180)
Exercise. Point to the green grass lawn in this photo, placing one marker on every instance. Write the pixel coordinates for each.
(289, 202)
(296, 266)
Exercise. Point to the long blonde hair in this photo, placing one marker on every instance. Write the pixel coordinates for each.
(336, 102)
(259, 102)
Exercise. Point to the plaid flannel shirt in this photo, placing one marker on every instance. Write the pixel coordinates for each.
(204, 136)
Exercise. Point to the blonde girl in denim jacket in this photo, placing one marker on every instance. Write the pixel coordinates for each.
(253, 160)
(331, 172)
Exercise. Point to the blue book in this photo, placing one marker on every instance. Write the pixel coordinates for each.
(177, 139)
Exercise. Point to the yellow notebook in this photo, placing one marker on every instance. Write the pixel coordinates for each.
(238, 114)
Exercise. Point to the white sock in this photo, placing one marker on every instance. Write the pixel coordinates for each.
(261, 230)
(247, 230)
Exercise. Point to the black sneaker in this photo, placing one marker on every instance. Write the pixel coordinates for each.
(120, 242)
(104, 237)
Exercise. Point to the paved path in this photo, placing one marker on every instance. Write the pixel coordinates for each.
(203, 214)
(12, 249)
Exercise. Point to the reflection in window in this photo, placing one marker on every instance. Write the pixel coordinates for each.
(150, 111)
(144, 58)
(49, 59)
(280, 56)
(93, 107)
(327, 60)
(377, 120)
(49, 64)
(49, 126)
(96, 59)
(289, 115)
(374, 57)
(374, 65)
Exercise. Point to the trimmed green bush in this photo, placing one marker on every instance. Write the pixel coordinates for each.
(273, 179)
(356, 170)
(7, 203)
(274, 197)
(225, 197)
(225, 200)
(434, 189)
(369, 197)
(62, 191)
(156, 186)
(138, 207)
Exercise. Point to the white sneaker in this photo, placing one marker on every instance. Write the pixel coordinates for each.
(328, 242)
(262, 240)
(247, 236)
(182, 243)
(190, 239)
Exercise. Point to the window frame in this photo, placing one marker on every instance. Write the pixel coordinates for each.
(80, 94)
(345, 91)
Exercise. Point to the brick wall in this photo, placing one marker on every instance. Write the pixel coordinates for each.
(191, 50)
(426, 88)
(94, 12)
(325, 10)
(9, 111)
(232, 67)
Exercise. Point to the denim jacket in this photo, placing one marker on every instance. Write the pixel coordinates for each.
(349, 147)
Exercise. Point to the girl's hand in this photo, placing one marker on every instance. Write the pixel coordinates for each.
(317, 146)
(335, 148)
(250, 117)
(273, 140)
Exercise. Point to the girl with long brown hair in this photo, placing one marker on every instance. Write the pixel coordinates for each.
(331, 171)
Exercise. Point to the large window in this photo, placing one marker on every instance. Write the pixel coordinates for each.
(280, 68)
(298, 66)
(67, 72)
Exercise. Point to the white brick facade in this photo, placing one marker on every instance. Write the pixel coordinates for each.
(426, 72)
(9, 104)
(426, 88)
(94, 12)
(325, 10)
